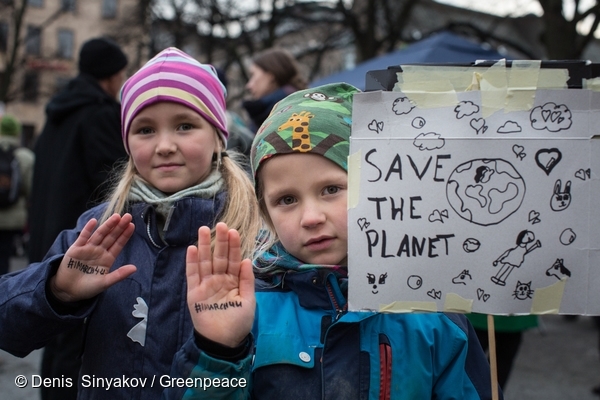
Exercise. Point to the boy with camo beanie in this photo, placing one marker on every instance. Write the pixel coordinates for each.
(316, 121)
(307, 344)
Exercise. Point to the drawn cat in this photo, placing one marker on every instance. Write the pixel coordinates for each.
(523, 291)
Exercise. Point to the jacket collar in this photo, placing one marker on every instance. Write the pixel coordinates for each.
(181, 226)
(317, 288)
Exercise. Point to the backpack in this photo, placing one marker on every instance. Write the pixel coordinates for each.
(10, 176)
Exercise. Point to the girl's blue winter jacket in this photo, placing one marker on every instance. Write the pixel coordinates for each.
(306, 348)
(134, 328)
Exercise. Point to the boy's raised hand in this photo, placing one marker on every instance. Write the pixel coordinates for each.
(220, 287)
(84, 270)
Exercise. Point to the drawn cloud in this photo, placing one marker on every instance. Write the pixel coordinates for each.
(551, 116)
(402, 105)
(510, 127)
(465, 108)
(429, 141)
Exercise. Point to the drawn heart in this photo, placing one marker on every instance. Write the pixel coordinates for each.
(376, 126)
(533, 215)
(480, 293)
(435, 216)
(444, 213)
(478, 124)
(580, 174)
(433, 294)
(363, 223)
(545, 114)
(486, 297)
(555, 116)
(518, 150)
(547, 159)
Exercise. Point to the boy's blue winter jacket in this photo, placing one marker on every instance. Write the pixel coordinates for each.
(305, 348)
(134, 328)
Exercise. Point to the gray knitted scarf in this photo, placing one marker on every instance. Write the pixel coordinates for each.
(143, 191)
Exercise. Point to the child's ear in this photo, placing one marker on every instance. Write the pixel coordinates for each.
(219, 142)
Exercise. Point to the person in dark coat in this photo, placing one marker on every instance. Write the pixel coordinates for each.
(76, 151)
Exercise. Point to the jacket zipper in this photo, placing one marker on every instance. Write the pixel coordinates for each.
(339, 311)
(385, 367)
(150, 235)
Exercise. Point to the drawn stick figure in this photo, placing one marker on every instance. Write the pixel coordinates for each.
(514, 257)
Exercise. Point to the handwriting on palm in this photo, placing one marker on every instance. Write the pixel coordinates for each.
(84, 270)
(220, 287)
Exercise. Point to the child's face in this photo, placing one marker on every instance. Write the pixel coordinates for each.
(306, 198)
(172, 146)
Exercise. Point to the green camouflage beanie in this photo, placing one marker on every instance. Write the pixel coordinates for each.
(316, 121)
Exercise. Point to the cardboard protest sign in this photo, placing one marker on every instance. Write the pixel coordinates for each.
(459, 205)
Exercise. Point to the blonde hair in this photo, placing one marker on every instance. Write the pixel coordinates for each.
(241, 207)
(268, 237)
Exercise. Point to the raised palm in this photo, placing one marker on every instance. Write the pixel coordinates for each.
(84, 270)
(220, 287)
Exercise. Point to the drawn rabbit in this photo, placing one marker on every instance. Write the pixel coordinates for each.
(560, 200)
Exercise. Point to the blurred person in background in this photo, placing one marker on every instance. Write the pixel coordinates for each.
(75, 154)
(274, 74)
(16, 170)
(240, 136)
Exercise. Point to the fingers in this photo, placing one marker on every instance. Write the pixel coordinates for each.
(204, 253)
(246, 279)
(221, 253)
(224, 259)
(118, 275)
(112, 231)
(121, 240)
(191, 267)
(86, 232)
(235, 252)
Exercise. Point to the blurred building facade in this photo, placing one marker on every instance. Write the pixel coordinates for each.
(47, 46)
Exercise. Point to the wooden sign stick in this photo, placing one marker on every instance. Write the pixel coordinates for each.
(492, 353)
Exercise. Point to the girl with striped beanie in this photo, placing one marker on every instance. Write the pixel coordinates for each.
(121, 270)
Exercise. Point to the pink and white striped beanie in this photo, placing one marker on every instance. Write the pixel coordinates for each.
(174, 76)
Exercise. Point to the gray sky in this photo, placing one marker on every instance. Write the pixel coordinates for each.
(515, 8)
(503, 7)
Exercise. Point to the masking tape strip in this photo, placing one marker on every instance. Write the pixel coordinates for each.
(553, 79)
(523, 79)
(459, 77)
(408, 306)
(494, 87)
(511, 89)
(592, 84)
(456, 303)
(354, 179)
(547, 300)
(431, 94)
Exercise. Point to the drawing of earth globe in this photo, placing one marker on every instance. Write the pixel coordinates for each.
(485, 191)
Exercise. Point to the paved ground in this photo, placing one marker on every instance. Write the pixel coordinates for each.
(558, 361)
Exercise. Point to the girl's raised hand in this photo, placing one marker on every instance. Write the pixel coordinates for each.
(84, 270)
(220, 287)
